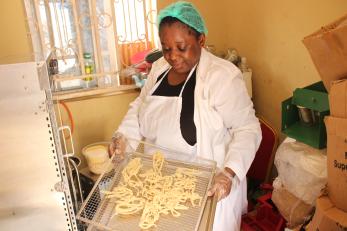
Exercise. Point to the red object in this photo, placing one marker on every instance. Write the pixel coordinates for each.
(266, 186)
(266, 219)
(139, 58)
(263, 161)
(70, 118)
(264, 200)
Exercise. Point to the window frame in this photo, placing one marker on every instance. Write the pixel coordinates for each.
(111, 74)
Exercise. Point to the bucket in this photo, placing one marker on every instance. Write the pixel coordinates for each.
(97, 157)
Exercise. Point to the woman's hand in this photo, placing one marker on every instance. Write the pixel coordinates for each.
(117, 145)
(222, 184)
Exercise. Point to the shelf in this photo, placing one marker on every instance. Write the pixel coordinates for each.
(80, 94)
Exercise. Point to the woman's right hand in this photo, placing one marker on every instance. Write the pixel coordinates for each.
(222, 184)
(117, 145)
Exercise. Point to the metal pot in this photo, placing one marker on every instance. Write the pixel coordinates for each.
(307, 116)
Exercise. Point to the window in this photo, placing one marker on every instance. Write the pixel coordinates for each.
(91, 40)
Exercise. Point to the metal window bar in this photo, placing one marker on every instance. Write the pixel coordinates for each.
(111, 30)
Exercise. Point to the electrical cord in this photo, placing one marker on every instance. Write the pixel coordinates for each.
(72, 124)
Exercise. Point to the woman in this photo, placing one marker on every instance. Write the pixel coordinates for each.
(198, 104)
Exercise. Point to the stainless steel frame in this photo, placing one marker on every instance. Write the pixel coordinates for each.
(34, 189)
(98, 212)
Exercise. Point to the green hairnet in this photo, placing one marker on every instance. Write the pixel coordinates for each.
(185, 12)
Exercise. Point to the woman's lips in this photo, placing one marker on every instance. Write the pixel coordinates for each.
(177, 66)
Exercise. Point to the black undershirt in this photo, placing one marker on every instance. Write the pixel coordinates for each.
(188, 129)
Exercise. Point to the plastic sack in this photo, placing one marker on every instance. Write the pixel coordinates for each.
(294, 210)
(301, 169)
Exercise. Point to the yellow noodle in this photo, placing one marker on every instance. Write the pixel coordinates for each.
(152, 193)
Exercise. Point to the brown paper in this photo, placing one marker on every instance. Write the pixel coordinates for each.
(294, 210)
(328, 50)
(337, 160)
(327, 217)
(338, 99)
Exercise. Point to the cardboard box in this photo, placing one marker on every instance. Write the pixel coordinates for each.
(337, 160)
(328, 50)
(327, 217)
(338, 99)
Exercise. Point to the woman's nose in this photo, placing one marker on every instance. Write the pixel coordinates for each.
(173, 55)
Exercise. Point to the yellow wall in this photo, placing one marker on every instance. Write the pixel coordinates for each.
(269, 33)
(14, 43)
(214, 18)
(96, 119)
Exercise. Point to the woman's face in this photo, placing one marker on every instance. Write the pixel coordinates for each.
(181, 48)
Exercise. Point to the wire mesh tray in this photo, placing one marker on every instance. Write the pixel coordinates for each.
(97, 210)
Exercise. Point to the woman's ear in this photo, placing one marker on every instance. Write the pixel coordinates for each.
(201, 40)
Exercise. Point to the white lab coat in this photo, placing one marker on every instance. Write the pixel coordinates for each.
(227, 128)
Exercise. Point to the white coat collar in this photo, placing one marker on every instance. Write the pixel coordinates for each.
(202, 69)
(204, 64)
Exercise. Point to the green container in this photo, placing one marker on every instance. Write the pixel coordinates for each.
(306, 126)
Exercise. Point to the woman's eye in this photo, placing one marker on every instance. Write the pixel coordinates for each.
(181, 48)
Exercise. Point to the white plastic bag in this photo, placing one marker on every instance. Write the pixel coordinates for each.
(301, 169)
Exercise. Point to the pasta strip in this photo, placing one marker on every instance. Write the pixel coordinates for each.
(152, 193)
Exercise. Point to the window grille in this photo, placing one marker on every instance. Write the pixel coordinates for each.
(89, 43)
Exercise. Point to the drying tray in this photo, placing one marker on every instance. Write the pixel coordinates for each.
(97, 211)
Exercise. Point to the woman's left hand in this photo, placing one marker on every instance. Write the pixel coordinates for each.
(222, 184)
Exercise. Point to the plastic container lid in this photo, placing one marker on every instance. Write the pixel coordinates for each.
(87, 55)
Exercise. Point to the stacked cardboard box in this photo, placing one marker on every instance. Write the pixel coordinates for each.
(336, 125)
(327, 217)
(331, 210)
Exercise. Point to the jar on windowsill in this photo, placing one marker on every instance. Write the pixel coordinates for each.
(89, 68)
